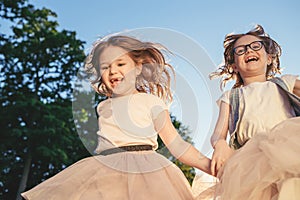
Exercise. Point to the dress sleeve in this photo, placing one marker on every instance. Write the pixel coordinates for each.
(224, 97)
(290, 81)
(157, 106)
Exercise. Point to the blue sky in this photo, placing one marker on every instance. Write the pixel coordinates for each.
(205, 22)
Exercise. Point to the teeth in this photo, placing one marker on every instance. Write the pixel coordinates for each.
(252, 58)
(115, 79)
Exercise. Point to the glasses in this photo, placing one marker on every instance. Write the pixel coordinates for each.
(255, 46)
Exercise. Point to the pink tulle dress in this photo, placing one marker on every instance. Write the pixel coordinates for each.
(128, 175)
(267, 166)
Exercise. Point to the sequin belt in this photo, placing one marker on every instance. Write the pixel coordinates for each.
(126, 148)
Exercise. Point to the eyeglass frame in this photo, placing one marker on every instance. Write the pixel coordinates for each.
(248, 45)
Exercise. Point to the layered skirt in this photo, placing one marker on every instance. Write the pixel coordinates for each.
(128, 176)
(266, 167)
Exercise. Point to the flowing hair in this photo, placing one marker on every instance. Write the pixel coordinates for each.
(225, 69)
(155, 77)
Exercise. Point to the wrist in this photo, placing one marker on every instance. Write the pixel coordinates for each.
(217, 141)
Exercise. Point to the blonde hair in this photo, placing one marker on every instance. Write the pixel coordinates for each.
(155, 77)
(226, 71)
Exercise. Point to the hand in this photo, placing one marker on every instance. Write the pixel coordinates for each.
(221, 153)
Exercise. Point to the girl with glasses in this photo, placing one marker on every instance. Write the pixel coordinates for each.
(260, 159)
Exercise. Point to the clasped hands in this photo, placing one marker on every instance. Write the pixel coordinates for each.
(221, 153)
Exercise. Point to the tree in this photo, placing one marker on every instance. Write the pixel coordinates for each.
(37, 66)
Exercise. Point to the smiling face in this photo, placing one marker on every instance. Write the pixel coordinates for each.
(118, 71)
(253, 63)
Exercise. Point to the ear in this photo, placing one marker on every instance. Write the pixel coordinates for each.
(234, 67)
(139, 69)
(269, 60)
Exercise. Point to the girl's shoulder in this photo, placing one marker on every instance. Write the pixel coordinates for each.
(225, 97)
(151, 99)
(102, 104)
(287, 77)
(289, 80)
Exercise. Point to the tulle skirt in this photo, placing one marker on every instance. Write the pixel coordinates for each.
(266, 167)
(203, 186)
(127, 176)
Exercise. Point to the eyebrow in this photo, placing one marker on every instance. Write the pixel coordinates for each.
(249, 43)
(117, 60)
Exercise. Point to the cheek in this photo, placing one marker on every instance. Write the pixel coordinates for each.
(237, 60)
(263, 53)
(104, 76)
(127, 70)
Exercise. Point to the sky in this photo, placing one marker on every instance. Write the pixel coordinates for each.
(201, 25)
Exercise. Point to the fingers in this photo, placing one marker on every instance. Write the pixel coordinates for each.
(216, 165)
(213, 167)
(220, 164)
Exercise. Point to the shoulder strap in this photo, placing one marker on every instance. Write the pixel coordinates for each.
(234, 100)
(294, 99)
(234, 105)
(280, 83)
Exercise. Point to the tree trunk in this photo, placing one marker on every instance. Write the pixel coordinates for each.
(24, 178)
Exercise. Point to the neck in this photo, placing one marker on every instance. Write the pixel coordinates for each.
(114, 95)
(252, 79)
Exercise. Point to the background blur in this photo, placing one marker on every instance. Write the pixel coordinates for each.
(203, 24)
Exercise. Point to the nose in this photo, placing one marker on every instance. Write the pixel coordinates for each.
(113, 69)
(247, 48)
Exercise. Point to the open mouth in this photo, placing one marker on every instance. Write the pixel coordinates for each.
(251, 59)
(115, 81)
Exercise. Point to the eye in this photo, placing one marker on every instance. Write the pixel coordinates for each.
(239, 50)
(121, 64)
(102, 68)
(256, 45)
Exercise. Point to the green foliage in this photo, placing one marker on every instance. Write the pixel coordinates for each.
(38, 64)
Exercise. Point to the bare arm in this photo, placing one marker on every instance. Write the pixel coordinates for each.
(218, 140)
(221, 128)
(182, 150)
(296, 89)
